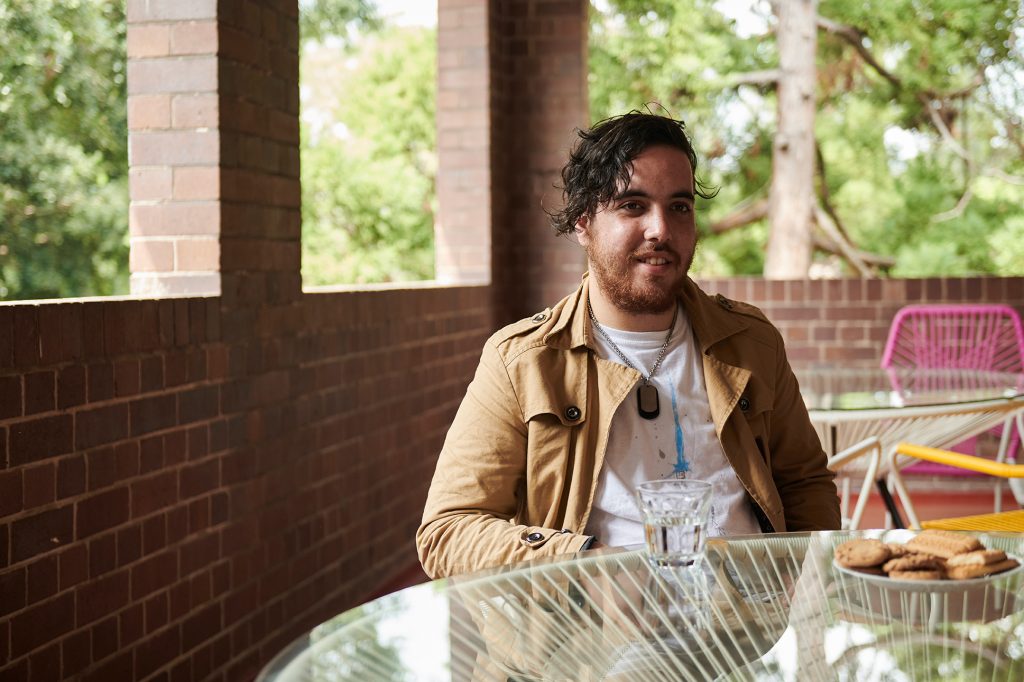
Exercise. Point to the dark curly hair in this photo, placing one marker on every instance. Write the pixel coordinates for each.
(602, 162)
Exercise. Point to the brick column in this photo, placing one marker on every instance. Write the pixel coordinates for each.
(213, 105)
(539, 95)
(174, 147)
(462, 238)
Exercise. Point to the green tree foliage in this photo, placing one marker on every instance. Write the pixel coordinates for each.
(942, 198)
(63, 149)
(368, 159)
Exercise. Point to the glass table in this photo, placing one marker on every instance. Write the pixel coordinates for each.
(862, 414)
(769, 607)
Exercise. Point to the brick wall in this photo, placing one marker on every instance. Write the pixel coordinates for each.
(174, 505)
(846, 321)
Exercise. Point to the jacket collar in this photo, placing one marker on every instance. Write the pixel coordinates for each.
(711, 320)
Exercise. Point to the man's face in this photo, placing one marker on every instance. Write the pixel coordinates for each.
(641, 243)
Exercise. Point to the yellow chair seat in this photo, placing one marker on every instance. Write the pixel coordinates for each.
(1012, 521)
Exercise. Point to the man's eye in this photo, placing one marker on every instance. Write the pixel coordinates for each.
(631, 206)
(682, 208)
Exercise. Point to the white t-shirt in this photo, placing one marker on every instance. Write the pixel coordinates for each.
(679, 443)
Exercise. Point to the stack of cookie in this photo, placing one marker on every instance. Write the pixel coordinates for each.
(930, 555)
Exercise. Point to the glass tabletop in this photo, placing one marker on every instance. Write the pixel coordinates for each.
(864, 389)
(760, 607)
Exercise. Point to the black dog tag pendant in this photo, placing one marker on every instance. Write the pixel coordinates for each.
(647, 401)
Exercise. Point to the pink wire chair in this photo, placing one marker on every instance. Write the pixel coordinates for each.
(967, 337)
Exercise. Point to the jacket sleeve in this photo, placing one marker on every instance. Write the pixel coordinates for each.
(469, 518)
(806, 485)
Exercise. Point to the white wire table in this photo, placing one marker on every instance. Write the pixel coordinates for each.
(769, 607)
(862, 414)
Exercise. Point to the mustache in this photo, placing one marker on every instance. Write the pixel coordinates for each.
(660, 249)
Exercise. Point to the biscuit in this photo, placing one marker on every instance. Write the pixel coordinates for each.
(978, 571)
(897, 550)
(869, 570)
(861, 553)
(913, 562)
(980, 557)
(916, 575)
(943, 543)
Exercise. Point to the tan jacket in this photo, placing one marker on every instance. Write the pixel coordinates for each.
(516, 476)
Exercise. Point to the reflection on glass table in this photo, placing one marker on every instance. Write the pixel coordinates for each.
(936, 408)
(764, 607)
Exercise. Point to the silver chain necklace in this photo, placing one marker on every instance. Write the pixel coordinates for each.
(648, 403)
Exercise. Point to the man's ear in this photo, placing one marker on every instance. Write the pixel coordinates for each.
(583, 229)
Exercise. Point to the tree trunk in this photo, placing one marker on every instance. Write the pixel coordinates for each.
(791, 200)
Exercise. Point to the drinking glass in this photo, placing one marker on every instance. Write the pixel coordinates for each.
(675, 512)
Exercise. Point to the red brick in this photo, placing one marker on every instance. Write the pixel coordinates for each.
(44, 665)
(42, 623)
(6, 336)
(70, 476)
(102, 555)
(197, 254)
(101, 381)
(10, 492)
(100, 512)
(10, 397)
(70, 387)
(201, 626)
(42, 579)
(155, 612)
(40, 392)
(148, 40)
(194, 37)
(175, 447)
(41, 532)
(198, 442)
(152, 254)
(126, 377)
(129, 545)
(174, 148)
(116, 668)
(74, 654)
(147, 112)
(153, 573)
(40, 484)
(74, 566)
(13, 586)
(41, 438)
(101, 597)
(152, 414)
(154, 493)
(152, 373)
(154, 534)
(176, 367)
(197, 182)
(104, 638)
(199, 553)
(151, 454)
(153, 653)
(131, 625)
(170, 75)
(101, 425)
(177, 525)
(26, 341)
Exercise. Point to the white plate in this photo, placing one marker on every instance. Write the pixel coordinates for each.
(929, 585)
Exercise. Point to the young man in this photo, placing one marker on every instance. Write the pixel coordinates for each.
(637, 375)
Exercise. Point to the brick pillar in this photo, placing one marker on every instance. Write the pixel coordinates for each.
(462, 239)
(539, 95)
(214, 149)
(174, 147)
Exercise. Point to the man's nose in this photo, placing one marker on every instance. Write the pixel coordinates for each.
(656, 228)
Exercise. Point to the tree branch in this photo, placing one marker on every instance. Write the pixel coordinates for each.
(855, 37)
(745, 213)
(766, 77)
(823, 193)
(844, 249)
(957, 210)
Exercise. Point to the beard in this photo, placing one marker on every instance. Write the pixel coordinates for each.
(629, 293)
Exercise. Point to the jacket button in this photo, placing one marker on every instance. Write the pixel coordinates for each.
(723, 301)
(744, 405)
(534, 537)
(572, 413)
(539, 317)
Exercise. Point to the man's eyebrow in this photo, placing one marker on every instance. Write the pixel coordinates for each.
(681, 194)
